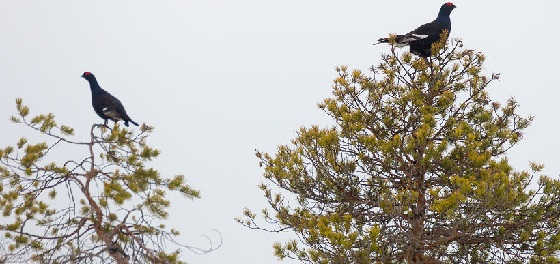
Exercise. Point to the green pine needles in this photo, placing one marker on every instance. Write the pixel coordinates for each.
(414, 171)
(103, 207)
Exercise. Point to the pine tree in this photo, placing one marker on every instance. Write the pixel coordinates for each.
(414, 171)
(106, 206)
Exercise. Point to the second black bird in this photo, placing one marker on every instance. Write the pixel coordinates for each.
(421, 39)
(106, 105)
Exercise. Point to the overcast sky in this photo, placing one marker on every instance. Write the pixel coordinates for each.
(220, 78)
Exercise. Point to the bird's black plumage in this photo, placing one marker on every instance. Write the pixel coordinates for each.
(106, 105)
(421, 39)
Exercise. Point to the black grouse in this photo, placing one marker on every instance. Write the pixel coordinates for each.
(106, 105)
(421, 39)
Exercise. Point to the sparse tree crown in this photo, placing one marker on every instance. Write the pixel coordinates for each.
(104, 207)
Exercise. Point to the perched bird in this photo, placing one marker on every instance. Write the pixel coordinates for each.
(106, 105)
(421, 39)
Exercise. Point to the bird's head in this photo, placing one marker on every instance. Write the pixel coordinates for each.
(446, 9)
(88, 76)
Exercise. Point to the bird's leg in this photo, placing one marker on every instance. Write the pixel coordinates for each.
(105, 124)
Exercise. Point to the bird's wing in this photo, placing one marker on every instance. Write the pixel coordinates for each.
(425, 30)
(110, 106)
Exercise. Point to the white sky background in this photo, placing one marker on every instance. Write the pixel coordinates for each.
(220, 78)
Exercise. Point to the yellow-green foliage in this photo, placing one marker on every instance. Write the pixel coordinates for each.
(413, 169)
(66, 211)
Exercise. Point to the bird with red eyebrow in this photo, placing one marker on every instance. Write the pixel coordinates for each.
(421, 39)
(106, 105)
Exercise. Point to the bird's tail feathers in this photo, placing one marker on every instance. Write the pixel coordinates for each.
(382, 40)
(400, 40)
(136, 124)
